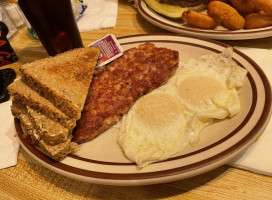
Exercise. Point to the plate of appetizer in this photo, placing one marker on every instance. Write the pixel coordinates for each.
(227, 20)
(171, 107)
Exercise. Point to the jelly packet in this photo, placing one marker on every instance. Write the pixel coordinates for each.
(110, 49)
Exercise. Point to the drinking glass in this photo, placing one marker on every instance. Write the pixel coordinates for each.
(54, 23)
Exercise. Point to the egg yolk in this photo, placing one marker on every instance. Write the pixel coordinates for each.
(159, 110)
(197, 90)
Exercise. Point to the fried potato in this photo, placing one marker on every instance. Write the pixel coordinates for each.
(227, 15)
(263, 5)
(244, 6)
(257, 20)
(199, 20)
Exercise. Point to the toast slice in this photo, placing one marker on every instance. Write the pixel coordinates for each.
(59, 151)
(56, 151)
(64, 79)
(50, 131)
(49, 98)
(24, 95)
(28, 129)
(17, 108)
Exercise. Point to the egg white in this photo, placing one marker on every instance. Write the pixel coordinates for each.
(154, 129)
(161, 124)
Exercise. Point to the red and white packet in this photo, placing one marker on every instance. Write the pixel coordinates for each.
(110, 49)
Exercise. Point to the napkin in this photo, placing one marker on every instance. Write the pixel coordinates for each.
(9, 143)
(258, 157)
(99, 14)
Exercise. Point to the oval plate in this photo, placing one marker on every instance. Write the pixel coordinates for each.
(220, 33)
(101, 160)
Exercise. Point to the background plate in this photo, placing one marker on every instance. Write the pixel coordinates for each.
(101, 160)
(220, 33)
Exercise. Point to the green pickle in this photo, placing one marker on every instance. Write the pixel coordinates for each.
(170, 11)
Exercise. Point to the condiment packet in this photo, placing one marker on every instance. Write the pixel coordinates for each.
(110, 49)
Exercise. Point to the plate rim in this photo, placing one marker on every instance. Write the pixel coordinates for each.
(142, 180)
(210, 34)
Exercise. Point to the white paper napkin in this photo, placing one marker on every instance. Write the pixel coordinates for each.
(98, 15)
(9, 144)
(258, 158)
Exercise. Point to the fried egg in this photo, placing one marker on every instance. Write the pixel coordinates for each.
(162, 123)
(154, 129)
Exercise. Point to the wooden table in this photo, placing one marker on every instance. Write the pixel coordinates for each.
(29, 180)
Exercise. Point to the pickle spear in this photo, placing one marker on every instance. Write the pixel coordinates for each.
(170, 11)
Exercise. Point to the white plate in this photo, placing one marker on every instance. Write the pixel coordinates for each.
(101, 160)
(220, 33)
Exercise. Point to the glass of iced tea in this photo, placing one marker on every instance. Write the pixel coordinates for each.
(54, 23)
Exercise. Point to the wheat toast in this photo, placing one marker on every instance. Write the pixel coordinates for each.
(55, 150)
(49, 97)
(24, 95)
(50, 131)
(64, 79)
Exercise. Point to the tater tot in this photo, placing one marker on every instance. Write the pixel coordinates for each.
(227, 15)
(244, 6)
(199, 20)
(256, 20)
(263, 5)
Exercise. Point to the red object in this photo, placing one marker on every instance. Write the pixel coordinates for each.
(54, 23)
(7, 54)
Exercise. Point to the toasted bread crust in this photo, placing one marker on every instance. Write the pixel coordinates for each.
(116, 87)
(17, 109)
(64, 79)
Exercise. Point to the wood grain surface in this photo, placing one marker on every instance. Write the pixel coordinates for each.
(29, 180)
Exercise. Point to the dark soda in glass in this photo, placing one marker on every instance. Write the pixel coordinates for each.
(54, 23)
